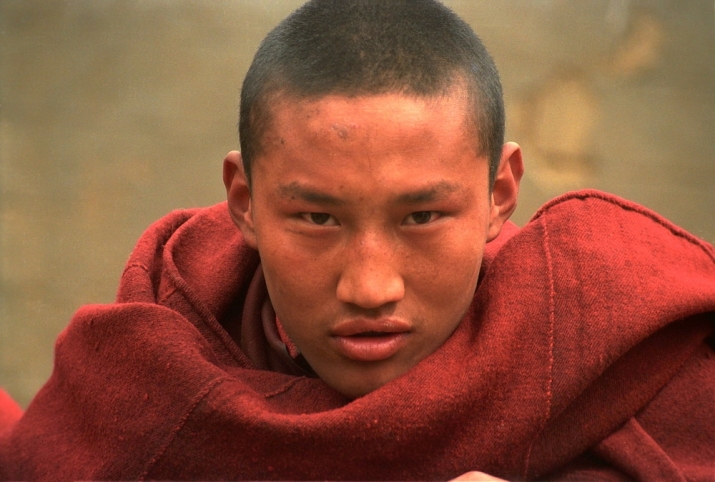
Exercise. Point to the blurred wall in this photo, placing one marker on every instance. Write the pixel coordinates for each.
(113, 113)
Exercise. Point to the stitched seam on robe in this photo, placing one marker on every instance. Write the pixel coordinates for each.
(552, 322)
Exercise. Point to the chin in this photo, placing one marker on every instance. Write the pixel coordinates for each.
(356, 392)
(358, 389)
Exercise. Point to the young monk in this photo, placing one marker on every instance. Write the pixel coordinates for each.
(361, 308)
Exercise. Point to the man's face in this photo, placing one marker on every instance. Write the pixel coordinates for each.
(370, 215)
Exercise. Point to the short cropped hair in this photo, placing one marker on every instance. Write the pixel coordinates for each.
(371, 47)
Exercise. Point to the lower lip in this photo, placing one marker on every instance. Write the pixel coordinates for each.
(370, 348)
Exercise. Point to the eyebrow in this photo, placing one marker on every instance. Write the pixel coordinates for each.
(436, 191)
(295, 190)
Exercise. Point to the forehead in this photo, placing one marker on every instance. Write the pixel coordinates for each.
(386, 118)
(387, 143)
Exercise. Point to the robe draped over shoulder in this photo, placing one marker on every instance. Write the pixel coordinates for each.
(587, 352)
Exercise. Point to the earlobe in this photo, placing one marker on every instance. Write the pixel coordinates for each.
(238, 195)
(506, 188)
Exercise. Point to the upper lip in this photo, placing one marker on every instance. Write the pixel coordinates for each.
(364, 325)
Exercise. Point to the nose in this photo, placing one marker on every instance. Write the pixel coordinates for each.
(370, 277)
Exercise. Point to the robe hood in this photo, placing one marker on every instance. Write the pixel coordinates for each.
(579, 320)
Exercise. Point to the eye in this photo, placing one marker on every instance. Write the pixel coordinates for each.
(421, 217)
(320, 219)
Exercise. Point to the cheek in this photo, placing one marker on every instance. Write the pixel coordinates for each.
(445, 279)
(299, 285)
(290, 283)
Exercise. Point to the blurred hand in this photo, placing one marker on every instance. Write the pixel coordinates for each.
(478, 476)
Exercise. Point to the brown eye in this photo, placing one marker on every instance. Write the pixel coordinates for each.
(422, 217)
(321, 219)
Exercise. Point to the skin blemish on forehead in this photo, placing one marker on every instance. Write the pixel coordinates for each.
(341, 131)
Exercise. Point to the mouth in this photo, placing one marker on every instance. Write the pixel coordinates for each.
(369, 334)
(370, 341)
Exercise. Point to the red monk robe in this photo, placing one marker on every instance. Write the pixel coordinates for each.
(584, 354)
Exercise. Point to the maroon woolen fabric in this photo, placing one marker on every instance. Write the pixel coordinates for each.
(584, 355)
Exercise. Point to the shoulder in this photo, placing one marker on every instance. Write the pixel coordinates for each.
(590, 217)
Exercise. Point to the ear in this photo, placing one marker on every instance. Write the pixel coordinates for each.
(506, 188)
(239, 197)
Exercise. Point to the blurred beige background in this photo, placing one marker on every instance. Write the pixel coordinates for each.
(113, 113)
